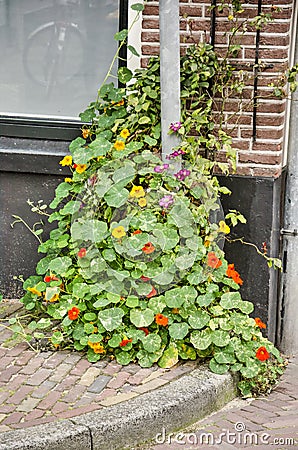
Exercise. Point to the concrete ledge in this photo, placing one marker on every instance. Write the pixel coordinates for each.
(172, 407)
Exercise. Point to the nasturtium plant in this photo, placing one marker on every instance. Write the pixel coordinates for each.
(135, 268)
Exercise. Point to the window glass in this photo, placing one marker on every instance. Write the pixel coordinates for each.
(54, 54)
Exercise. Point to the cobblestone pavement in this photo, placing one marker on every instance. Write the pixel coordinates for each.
(264, 423)
(41, 387)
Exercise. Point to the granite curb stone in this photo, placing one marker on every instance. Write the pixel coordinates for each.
(175, 405)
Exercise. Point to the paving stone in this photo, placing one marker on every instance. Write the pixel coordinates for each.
(78, 411)
(54, 360)
(42, 390)
(140, 376)
(67, 383)
(122, 397)
(89, 376)
(20, 395)
(112, 368)
(28, 404)
(60, 372)
(74, 394)
(39, 376)
(49, 400)
(100, 383)
(2, 417)
(8, 374)
(118, 380)
(80, 368)
(153, 384)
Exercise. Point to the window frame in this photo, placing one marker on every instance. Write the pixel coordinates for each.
(55, 127)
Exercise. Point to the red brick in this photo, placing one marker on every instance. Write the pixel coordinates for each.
(259, 158)
(12, 418)
(39, 376)
(9, 372)
(75, 393)
(19, 395)
(80, 368)
(78, 411)
(49, 401)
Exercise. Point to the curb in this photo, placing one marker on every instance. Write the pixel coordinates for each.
(166, 409)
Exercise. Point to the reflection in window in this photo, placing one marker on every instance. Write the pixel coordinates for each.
(54, 54)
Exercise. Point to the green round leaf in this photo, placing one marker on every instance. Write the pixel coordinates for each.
(198, 319)
(201, 339)
(220, 338)
(169, 357)
(218, 368)
(124, 75)
(141, 317)
(178, 330)
(111, 318)
(151, 343)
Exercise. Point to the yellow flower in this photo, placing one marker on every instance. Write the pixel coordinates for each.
(34, 291)
(137, 191)
(142, 202)
(223, 227)
(97, 347)
(54, 298)
(119, 145)
(80, 168)
(85, 133)
(121, 103)
(68, 180)
(124, 133)
(66, 161)
(230, 17)
(118, 232)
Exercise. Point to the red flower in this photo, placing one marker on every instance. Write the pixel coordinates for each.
(213, 261)
(152, 293)
(160, 319)
(124, 342)
(73, 313)
(262, 354)
(82, 253)
(137, 232)
(146, 331)
(259, 323)
(49, 278)
(232, 273)
(74, 166)
(145, 278)
(148, 248)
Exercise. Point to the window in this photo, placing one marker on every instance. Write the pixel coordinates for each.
(54, 56)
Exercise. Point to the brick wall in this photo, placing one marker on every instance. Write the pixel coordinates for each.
(262, 156)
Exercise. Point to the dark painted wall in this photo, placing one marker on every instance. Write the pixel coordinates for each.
(33, 174)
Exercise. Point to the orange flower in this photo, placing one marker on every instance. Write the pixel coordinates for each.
(82, 253)
(262, 354)
(213, 261)
(49, 278)
(143, 278)
(232, 273)
(152, 293)
(259, 323)
(146, 331)
(124, 342)
(175, 310)
(85, 133)
(160, 319)
(73, 313)
(137, 232)
(148, 248)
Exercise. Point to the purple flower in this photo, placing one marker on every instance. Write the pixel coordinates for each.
(175, 126)
(166, 201)
(182, 174)
(160, 169)
(175, 154)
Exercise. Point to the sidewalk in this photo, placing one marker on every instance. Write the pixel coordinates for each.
(264, 423)
(85, 405)
(107, 406)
